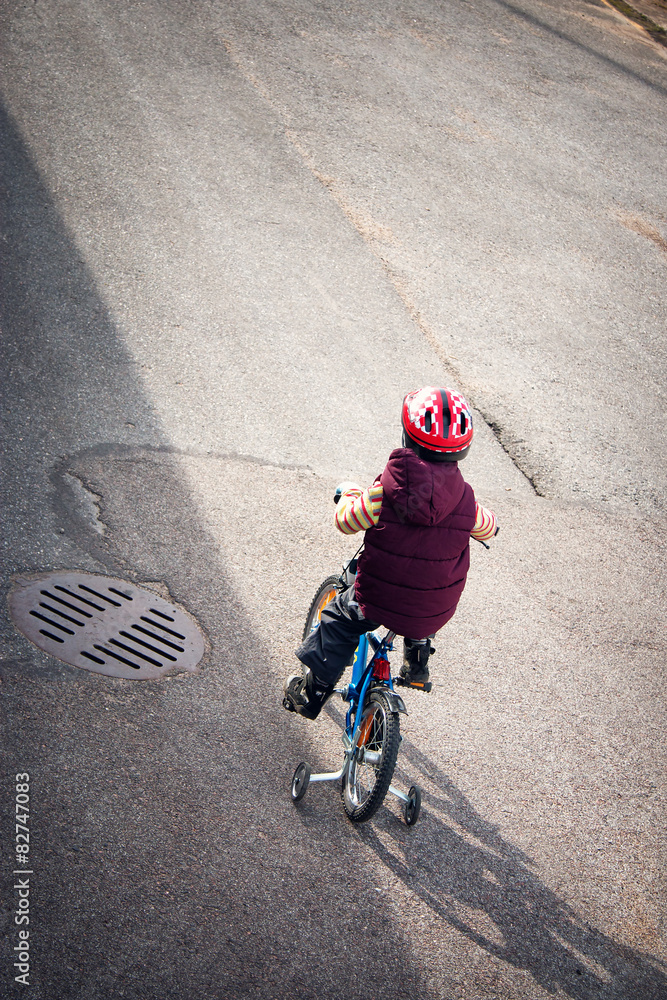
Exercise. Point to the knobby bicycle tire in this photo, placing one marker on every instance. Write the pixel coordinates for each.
(365, 784)
(326, 592)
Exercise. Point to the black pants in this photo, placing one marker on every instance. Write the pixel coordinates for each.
(329, 649)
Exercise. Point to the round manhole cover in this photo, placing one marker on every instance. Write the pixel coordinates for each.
(105, 625)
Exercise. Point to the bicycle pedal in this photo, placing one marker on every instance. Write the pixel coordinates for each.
(425, 686)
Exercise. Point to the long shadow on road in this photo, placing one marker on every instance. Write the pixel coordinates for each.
(458, 880)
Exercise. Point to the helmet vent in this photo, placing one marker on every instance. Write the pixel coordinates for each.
(463, 423)
(428, 421)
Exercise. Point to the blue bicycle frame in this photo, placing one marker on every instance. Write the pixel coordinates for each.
(362, 675)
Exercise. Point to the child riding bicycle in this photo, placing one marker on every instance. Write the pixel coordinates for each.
(418, 517)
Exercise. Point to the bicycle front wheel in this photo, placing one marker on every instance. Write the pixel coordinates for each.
(369, 773)
(326, 593)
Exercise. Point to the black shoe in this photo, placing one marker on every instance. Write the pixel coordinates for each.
(414, 671)
(305, 695)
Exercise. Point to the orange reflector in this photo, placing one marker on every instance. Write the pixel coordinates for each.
(327, 599)
(365, 728)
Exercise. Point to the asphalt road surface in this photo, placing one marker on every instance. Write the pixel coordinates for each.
(234, 235)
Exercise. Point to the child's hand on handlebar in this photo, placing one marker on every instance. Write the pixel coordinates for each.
(345, 487)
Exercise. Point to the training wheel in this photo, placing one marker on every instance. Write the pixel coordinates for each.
(413, 805)
(300, 782)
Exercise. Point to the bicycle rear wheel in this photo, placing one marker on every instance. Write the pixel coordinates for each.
(327, 591)
(369, 773)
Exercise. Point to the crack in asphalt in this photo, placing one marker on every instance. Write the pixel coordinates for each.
(80, 506)
(501, 437)
(88, 501)
(496, 429)
(375, 235)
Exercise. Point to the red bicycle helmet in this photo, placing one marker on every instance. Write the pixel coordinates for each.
(437, 424)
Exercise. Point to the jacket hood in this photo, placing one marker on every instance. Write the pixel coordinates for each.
(421, 492)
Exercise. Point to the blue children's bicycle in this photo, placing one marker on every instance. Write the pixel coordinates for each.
(371, 738)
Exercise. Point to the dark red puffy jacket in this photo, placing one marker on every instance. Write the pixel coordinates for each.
(413, 568)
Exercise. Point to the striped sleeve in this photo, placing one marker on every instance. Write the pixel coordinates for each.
(485, 524)
(358, 510)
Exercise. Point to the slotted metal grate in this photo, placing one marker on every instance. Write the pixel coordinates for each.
(105, 625)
